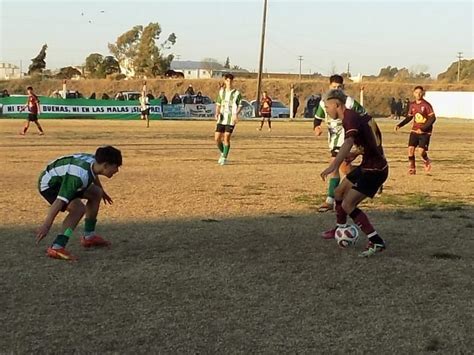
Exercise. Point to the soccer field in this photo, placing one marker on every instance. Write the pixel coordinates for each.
(228, 259)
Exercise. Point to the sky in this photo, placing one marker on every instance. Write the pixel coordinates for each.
(330, 35)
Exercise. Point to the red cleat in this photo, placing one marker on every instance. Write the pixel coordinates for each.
(330, 234)
(95, 241)
(61, 254)
(427, 165)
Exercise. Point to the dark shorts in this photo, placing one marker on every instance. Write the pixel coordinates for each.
(32, 117)
(145, 112)
(419, 140)
(221, 128)
(367, 182)
(266, 115)
(51, 195)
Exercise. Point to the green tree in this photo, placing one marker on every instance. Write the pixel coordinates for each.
(99, 66)
(67, 73)
(138, 52)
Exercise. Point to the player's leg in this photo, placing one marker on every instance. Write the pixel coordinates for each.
(412, 144)
(227, 136)
(94, 197)
(333, 182)
(341, 215)
(219, 138)
(261, 124)
(25, 127)
(424, 144)
(269, 124)
(40, 129)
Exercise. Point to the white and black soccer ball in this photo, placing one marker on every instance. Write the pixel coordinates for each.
(347, 236)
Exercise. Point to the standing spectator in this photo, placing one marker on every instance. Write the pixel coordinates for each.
(105, 96)
(399, 107)
(393, 107)
(199, 99)
(5, 93)
(150, 95)
(423, 119)
(93, 96)
(188, 99)
(189, 90)
(176, 100)
(33, 106)
(311, 106)
(120, 96)
(265, 111)
(406, 106)
(228, 107)
(163, 98)
(296, 104)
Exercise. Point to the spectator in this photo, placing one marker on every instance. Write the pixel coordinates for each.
(150, 95)
(406, 106)
(163, 98)
(176, 100)
(92, 97)
(187, 99)
(399, 108)
(199, 99)
(105, 96)
(5, 93)
(393, 107)
(120, 96)
(296, 104)
(55, 94)
(311, 105)
(189, 90)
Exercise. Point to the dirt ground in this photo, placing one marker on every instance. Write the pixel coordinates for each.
(210, 259)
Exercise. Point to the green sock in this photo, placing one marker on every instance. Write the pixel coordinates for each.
(333, 183)
(221, 147)
(226, 150)
(60, 241)
(89, 226)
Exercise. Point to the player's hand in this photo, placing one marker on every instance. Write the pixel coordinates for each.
(42, 232)
(396, 128)
(327, 171)
(107, 199)
(317, 131)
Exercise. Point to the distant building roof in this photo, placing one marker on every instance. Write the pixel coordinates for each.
(8, 65)
(194, 65)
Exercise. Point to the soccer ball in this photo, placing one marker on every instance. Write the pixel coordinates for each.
(346, 236)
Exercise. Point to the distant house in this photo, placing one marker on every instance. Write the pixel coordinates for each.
(196, 70)
(9, 71)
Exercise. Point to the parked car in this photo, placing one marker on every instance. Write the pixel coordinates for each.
(279, 110)
(131, 95)
(206, 100)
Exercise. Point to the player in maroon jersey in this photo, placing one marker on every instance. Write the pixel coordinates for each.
(365, 180)
(33, 106)
(266, 111)
(421, 111)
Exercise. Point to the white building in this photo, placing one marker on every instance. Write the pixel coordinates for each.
(195, 70)
(9, 71)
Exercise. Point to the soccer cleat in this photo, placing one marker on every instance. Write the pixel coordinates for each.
(329, 234)
(325, 207)
(412, 171)
(222, 161)
(259, 128)
(372, 249)
(95, 241)
(61, 254)
(427, 165)
(41, 133)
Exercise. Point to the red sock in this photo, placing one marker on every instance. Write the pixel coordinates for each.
(361, 219)
(341, 215)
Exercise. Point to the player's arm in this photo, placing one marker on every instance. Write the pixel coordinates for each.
(354, 105)
(105, 196)
(218, 106)
(344, 152)
(403, 123)
(238, 101)
(38, 106)
(43, 230)
(318, 119)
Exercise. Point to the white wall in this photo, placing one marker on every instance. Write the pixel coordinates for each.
(455, 104)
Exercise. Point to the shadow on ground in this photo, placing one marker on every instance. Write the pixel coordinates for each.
(267, 284)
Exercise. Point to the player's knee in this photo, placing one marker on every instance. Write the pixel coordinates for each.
(77, 207)
(95, 192)
(348, 206)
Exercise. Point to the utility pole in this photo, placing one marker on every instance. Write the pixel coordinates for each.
(348, 69)
(178, 56)
(260, 65)
(300, 58)
(459, 64)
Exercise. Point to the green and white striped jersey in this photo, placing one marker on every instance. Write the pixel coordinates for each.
(229, 102)
(335, 124)
(71, 174)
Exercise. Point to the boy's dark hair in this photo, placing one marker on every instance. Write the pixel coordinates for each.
(419, 87)
(108, 154)
(336, 79)
(29, 88)
(229, 76)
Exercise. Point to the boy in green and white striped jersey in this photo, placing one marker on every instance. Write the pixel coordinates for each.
(228, 107)
(66, 181)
